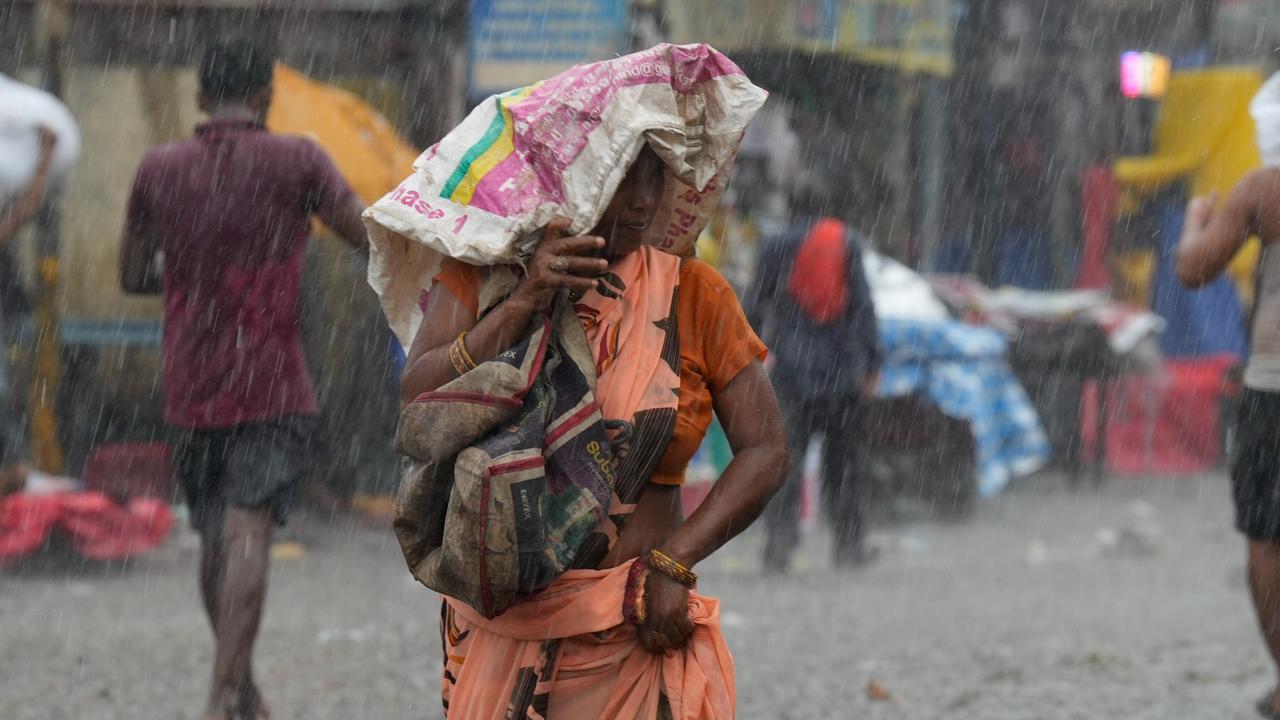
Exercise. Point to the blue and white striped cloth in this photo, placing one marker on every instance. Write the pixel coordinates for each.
(962, 369)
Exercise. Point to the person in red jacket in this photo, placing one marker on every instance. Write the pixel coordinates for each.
(811, 299)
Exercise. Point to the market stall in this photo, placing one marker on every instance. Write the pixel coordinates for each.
(1069, 345)
(951, 415)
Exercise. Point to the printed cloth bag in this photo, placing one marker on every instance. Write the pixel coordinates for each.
(510, 471)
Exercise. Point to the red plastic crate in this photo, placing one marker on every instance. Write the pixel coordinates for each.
(129, 470)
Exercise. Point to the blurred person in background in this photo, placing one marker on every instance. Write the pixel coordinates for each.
(219, 224)
(811, 302)
(13, 217)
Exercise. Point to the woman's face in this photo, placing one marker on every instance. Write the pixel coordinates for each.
(628, 215)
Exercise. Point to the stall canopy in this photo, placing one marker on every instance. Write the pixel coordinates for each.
(1204, 133)
(367, 150)
(1205, 138)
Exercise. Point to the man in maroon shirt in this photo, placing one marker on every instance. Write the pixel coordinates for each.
(219, 223)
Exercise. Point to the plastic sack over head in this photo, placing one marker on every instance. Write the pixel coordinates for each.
(560, 148)
(23, 110)
(1265, 109)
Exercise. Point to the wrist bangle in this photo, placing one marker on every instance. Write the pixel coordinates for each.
(634, 609)
(663, 563)
(459, 366)
(459, 356)
(462, 350)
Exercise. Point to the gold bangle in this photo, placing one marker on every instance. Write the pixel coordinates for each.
(663, 563)
(458, 365)
(462, 350)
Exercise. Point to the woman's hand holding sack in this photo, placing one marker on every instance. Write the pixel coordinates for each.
(560, 262)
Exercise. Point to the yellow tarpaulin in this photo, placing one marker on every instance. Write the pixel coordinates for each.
(367, 150)
(1204, 135)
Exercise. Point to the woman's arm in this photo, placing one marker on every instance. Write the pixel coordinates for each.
(749, 412)
(25, 207)
(752, 422)
(428, 366)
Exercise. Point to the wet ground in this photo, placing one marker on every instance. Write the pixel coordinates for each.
(1051, 604)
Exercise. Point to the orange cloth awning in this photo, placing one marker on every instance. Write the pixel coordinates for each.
(367, 150)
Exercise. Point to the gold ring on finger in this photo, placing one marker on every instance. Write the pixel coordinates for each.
(559, 264)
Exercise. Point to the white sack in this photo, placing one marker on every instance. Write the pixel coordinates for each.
(23, 109)
(898, 292)
(1265, 109)
(560, 148)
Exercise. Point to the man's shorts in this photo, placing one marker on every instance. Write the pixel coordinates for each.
(1255, 469)
(255, 465)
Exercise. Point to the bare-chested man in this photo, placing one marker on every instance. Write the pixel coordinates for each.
(1210, 238)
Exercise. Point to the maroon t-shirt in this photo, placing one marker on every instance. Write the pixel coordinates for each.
(231, 209)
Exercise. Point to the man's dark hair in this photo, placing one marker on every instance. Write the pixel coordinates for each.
(811, 200)
(824, 197)
(234, 69)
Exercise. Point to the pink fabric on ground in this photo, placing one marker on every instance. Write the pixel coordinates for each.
(98, 527)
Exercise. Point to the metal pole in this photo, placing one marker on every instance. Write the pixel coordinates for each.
(46, 451)
(934, 155)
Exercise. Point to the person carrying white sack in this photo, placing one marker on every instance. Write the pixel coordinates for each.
(1212, 234)
(574, 199)
(22, 209)
(39, 140)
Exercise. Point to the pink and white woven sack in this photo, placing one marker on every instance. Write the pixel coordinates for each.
(560, 148)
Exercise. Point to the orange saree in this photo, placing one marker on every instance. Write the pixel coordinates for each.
(568, 653)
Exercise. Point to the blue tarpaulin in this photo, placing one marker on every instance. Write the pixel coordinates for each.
(962, 370)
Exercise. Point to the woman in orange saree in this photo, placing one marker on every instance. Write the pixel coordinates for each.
(626, 636)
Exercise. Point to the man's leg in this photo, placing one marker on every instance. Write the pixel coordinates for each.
(212, 568)
(265, 464)
(842, 481)
(199, 466)
(1264, 586)
(1255, 472)
(240, 595)
(782, 514)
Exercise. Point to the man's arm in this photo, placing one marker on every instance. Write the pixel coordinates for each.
(333, 200)
(865, 328)
(346, 222)
(1210, 238)
(20, 211)
(140, 272)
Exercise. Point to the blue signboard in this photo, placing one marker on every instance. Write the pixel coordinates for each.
(517, 42)
(817, 19)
